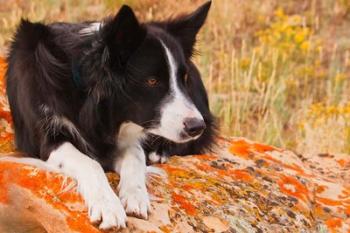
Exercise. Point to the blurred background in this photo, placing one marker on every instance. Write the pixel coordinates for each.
(277, 72)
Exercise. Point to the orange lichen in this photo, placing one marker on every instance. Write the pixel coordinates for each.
(241, 175)
(347, 210)
(293, 187)
(3, 65)
(341, 162)
(47, 187)
(165, 229)
(6, 115)
(244, 149)
(218, 198)
(329, 202)
(333, 224)
(238, 174)
(319, 211)
(173, 170)
(4, 181)
(262, 148)
(3, 191)
(268, 157)
(320, 188)
(205, 167)
(293, 167)
(193, 185)
(187, 187)
(81, 224)
(184, 204)
(240, 148)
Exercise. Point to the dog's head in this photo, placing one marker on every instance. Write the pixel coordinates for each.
(151, 65)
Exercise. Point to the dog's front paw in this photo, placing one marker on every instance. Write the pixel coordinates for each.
(135, 199)
(154, 157)
(106, 209)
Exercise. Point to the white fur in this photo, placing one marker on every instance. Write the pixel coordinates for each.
(154, 157)
(176, 108)
(129, 134)
(151, 170)
(103, 204)
(91, 29)
(164, 158)
(131, 165)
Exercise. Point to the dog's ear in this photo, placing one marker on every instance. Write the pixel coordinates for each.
(122, 36)
(185, 28)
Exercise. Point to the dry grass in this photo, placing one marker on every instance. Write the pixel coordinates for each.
(276, 71)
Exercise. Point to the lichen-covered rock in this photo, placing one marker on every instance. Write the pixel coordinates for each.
(243, 187)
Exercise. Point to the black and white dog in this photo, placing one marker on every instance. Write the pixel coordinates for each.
(99, 96)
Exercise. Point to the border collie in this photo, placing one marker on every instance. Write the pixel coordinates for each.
(97, 96)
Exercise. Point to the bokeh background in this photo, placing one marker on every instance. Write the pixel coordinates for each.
(276, 71)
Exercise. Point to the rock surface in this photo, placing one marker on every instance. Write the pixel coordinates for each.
(243, 187)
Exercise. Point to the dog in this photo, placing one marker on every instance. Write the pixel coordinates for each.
(109, 96)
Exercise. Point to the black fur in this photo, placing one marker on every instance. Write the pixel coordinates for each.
(111, 66)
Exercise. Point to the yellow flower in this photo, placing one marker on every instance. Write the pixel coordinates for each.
(244, 63)
(340, 77)
(305, 46)
(279, 13)
(299, 37)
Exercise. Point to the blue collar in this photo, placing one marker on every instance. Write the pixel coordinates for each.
(78, 82)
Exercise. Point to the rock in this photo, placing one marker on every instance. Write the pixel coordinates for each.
(243, 187)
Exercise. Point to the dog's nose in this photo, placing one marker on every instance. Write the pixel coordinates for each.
(194, 126)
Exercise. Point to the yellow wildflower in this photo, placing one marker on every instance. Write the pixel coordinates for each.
(305, 46)
(299, 37)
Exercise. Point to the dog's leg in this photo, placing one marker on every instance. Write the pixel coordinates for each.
(132, 186)
(131, 165)
(103, 204)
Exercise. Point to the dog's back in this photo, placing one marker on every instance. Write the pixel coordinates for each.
(39, 70)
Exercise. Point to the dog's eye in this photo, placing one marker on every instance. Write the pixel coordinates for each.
(152, 82)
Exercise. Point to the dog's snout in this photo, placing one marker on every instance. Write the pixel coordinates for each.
(194, 126)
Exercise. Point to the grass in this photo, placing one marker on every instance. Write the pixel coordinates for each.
(276, 71)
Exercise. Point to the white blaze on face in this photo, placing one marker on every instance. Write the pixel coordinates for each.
(175, 108)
